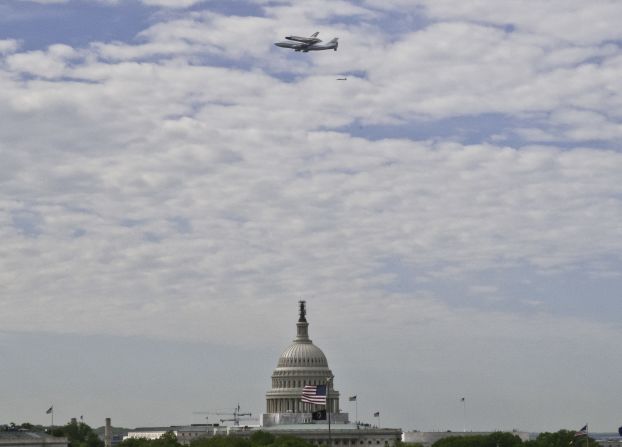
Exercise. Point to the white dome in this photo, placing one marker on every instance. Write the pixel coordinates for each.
(302, 355)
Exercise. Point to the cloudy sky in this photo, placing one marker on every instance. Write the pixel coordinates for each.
(171, 184)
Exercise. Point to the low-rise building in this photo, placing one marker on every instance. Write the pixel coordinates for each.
(24, 438)
(610, 442)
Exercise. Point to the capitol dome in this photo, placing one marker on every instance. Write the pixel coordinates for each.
(300, 354)
(302, 363)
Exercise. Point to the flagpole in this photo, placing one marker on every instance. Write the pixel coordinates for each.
(50, 411)
(327, 406)
(356, 408)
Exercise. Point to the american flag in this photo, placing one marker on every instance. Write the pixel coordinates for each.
(314, 394)
(581, 432)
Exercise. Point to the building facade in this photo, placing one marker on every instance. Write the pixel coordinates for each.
(610, 441)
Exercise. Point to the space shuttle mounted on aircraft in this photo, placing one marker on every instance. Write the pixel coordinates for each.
(305, 44)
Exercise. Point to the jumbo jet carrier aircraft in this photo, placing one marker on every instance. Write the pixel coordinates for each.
(306, 44)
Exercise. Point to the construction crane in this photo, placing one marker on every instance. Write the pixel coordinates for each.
(236, 416)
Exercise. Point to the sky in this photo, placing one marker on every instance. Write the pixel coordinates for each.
(172, 183)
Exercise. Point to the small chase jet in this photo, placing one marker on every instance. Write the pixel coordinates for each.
(306, 44)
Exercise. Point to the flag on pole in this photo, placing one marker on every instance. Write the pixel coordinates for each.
(581, 432)
(50, 410)
(352, 398)
(377, 414)
(314, 394)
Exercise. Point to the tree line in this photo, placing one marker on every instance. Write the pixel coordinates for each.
(561, 438)
(80, 434)
(257, 439)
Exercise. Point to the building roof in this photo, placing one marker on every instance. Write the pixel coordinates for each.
(334, 428)
(23, 434)
(25, 438)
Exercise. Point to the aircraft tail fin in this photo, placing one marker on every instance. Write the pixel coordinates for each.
(315, 34)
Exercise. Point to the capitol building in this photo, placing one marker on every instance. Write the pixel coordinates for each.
(301, 366)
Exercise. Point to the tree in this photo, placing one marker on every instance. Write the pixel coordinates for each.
(561, 438)
(399, 443)
(257, 439)
(262, 438)
(290, 441)
(496, 439)
(78, 434)
(168, 439)
(221, 441)
(135, 442)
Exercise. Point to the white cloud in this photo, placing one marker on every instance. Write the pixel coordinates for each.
(483, 290)
(46, 2)
(172, 3)
(8, 46)
(168, 187)
(49, 64)
(296, 13)
(558, 19)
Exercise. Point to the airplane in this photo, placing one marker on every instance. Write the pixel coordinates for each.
(306, 44)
